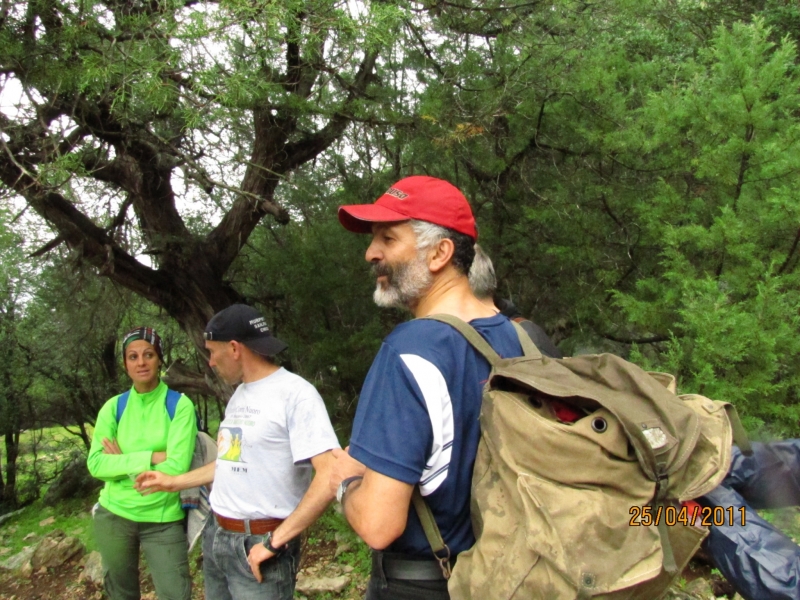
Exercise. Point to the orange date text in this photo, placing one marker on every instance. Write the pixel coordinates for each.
(645, 516)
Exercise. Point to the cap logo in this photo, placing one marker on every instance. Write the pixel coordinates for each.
(399, 194)
(260, 324)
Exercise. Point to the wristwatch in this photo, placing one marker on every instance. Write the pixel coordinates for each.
(343, 487)
(267, 541)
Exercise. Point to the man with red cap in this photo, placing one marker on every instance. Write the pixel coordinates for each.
(417, 422)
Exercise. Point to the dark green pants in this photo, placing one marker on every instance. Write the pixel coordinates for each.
(165, 550)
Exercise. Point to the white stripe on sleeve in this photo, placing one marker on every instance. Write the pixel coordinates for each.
(440, 410)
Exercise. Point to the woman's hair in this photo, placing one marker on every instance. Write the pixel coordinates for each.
(482, 279)
(148, 334)
(429, 234)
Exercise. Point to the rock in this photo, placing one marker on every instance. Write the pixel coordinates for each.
(4, 551)
(15, 562)
(47, 521)
(29, 537)
(74, 481)
(92, 568)
(340, 538)
(341, 548)
(11, 515)
(55, 549)
(700, 588)
(26, 570)
(322, 585)
(347, 568)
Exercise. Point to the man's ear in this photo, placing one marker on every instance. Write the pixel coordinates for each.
(236, 349)
(441, 255)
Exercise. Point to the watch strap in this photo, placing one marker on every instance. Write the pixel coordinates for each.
(340, 491)
(267, 541)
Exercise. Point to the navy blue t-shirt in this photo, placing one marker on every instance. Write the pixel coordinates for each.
(417, 420)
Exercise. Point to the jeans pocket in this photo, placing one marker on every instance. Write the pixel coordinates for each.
(244, 543)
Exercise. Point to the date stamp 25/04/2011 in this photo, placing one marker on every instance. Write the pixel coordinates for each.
(645, 516)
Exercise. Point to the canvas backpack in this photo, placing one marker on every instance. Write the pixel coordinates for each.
(554, 505)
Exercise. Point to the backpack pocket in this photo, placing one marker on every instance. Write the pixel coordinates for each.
(582, 537)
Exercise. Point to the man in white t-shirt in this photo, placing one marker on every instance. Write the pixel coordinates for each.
(275, 430)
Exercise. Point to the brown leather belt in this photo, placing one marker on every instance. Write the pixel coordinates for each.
(248, 526)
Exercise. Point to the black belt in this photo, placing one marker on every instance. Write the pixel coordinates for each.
(400, 567)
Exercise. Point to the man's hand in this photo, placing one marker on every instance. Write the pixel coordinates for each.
(154, 481)
(111, 447)
(258, 554)
(344, 466)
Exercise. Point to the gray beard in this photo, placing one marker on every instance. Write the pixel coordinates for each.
(406, 283)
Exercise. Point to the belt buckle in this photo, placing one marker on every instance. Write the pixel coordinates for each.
(246, 526)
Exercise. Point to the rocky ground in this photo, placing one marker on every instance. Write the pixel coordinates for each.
(322, 575)
(56, 566)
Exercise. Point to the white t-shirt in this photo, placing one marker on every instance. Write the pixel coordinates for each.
(272, 428)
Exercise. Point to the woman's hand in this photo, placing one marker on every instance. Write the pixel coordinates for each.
(111, 447)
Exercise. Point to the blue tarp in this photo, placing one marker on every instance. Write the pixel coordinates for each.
(759, 560)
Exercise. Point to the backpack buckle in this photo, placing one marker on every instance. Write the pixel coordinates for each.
(444, 562)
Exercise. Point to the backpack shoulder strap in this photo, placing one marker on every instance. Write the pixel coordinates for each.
(440, 550)
(473, 337)
(122, 402)
(173, 397)
(529, 349)
(172, 402)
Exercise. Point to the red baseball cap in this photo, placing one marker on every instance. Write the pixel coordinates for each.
(419, 197)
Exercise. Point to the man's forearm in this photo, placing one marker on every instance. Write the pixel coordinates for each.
(202, 476)
(316, 500)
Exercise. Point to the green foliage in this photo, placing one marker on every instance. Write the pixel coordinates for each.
(632, 166)
(726, 289)
(311, 280)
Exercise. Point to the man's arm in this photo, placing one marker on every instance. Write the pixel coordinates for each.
(376, 506)
(156, 481)
(313, 504)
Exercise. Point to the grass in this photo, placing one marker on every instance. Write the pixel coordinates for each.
(332, 526)
(785, 519)
(54, 447)
(73, 517)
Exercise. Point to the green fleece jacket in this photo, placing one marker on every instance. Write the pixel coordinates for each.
(144, 428)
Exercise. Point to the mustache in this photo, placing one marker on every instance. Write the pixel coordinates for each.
(382, 270)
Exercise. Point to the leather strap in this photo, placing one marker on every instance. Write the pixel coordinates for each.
(248, 526)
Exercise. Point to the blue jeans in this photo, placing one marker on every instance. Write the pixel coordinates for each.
(228, 575)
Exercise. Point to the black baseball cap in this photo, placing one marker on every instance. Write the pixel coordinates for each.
(243, 324)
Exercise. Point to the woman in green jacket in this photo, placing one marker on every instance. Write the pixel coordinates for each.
(140, 435)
